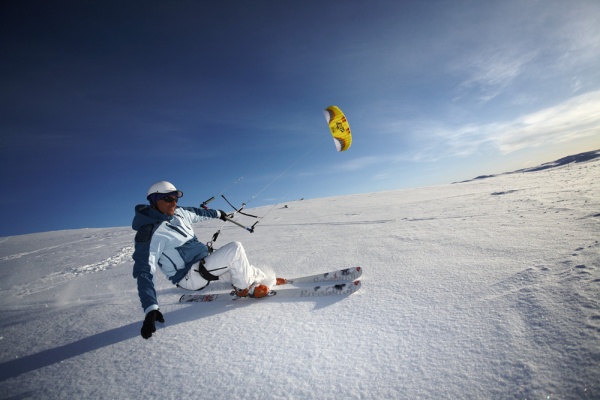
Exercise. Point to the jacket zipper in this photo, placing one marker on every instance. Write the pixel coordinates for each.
(176, 229)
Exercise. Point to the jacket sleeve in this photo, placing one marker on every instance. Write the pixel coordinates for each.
(198, 214)
(144, 266)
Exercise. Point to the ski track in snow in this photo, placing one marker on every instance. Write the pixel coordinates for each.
(66, 258)
(483, 289)
(51, 280)
(122, 256)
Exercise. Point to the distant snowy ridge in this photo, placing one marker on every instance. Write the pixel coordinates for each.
(572, 159)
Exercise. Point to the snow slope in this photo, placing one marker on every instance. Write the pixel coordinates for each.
(484, 289)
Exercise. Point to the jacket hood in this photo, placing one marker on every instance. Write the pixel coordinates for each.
(145, 214)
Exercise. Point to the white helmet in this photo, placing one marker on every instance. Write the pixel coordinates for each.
(163, 187)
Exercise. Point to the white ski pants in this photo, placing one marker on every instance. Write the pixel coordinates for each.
(230, 264)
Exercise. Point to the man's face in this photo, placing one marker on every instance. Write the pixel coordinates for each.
(167, 205)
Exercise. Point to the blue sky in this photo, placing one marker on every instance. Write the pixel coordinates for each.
(100, 99)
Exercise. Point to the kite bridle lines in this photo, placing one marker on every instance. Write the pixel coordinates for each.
(236, 210)
(342, 137)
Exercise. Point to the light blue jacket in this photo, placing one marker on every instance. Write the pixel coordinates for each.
(168, 243)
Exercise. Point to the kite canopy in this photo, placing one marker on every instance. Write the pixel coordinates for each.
(340, 130)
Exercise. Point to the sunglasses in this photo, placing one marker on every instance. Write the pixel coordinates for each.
(169, 199)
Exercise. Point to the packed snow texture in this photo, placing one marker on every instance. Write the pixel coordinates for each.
(486, 289)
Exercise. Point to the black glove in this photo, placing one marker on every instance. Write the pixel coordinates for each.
(149, 328)
(222, 215)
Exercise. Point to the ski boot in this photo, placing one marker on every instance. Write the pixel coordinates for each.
(255, 290)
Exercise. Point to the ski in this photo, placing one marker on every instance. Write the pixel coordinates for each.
(347, 274)
(339, 289)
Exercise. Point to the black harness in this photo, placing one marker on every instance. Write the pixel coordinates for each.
(204, 273)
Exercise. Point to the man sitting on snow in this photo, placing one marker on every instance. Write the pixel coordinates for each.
(165, 240)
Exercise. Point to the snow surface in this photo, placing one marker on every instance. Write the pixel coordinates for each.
(486, 289)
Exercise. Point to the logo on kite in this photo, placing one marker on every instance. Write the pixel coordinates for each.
(340, 130)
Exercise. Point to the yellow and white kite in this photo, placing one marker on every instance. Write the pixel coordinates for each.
(340, 130)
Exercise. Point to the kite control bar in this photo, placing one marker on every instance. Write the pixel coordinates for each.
(238, 210)
(204, 203)
(228, 218)
(249, 229)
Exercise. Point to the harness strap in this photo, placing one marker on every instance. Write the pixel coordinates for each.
(204, 273)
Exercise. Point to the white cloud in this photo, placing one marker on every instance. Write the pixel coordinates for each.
(541, 44)
(491, 72)
(575, 118)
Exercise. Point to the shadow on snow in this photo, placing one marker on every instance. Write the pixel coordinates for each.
(192, 312)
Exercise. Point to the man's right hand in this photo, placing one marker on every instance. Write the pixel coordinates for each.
(149, 326)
